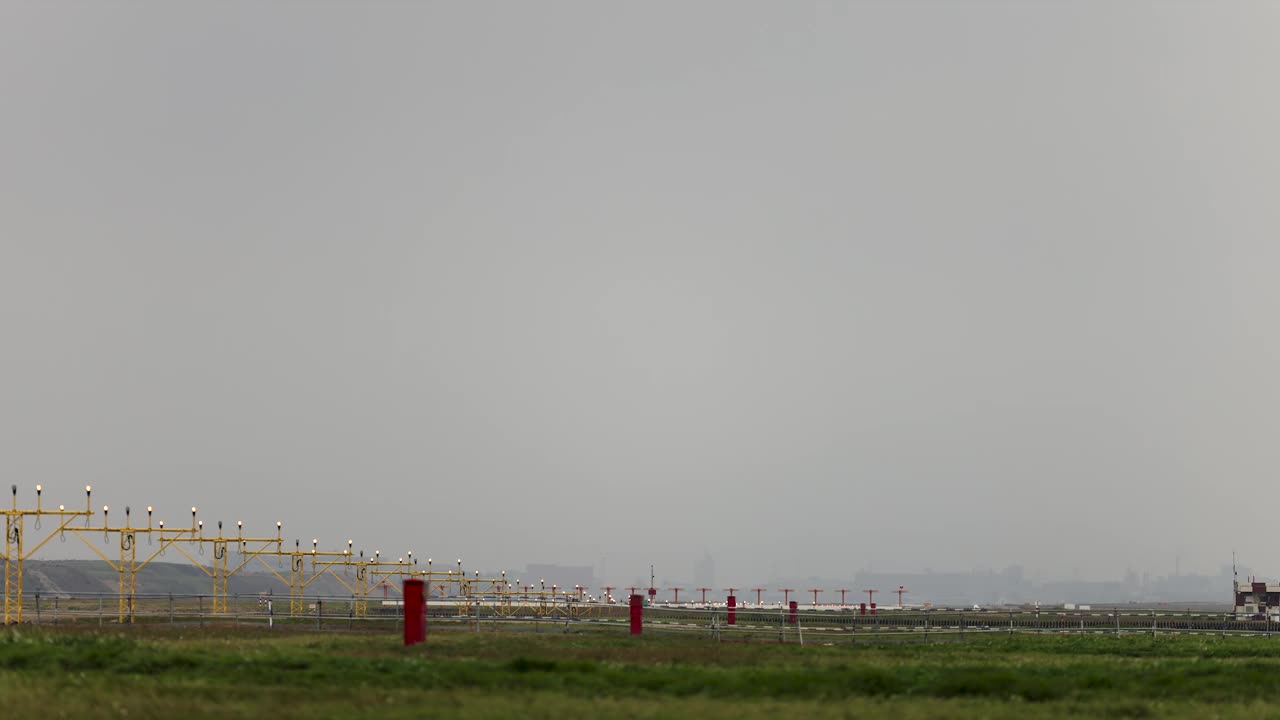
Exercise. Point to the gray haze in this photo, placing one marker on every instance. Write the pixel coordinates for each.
(813, 288)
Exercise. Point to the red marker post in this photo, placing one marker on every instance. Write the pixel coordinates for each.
(637, 613)
(731, 604)
(794, 612)
(415, 611)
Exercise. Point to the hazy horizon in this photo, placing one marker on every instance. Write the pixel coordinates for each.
(810, 287)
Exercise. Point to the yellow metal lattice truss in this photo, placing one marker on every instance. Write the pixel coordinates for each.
(232, 553)
(17, 550)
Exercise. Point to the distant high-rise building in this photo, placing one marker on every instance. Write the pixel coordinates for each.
(704, 571)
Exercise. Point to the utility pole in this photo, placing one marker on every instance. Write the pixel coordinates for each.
(901, 591)
(815, 592)
(757, 591)
(842, 592)
(704, 593)
(871, 596)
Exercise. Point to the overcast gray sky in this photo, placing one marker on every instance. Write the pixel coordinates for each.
(812, 287)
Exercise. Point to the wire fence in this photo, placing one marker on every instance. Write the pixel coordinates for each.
(828, 626)
(320, 612)
(773, 624)
(200, 609)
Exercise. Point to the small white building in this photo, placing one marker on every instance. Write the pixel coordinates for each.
(1257, 600)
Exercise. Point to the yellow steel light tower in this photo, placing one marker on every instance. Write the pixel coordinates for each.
(467, 588)
(127, 566)
(378, 571)
(298, 577)
(476, 590)
(439, 580)
(221, 570)
(333, 558)
(297, 573)
(370, 573)
(362, 587)
(16, 548)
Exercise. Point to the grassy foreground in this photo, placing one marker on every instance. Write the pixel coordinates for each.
(222, 672)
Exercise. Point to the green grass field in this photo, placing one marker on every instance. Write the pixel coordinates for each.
(225, 672)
